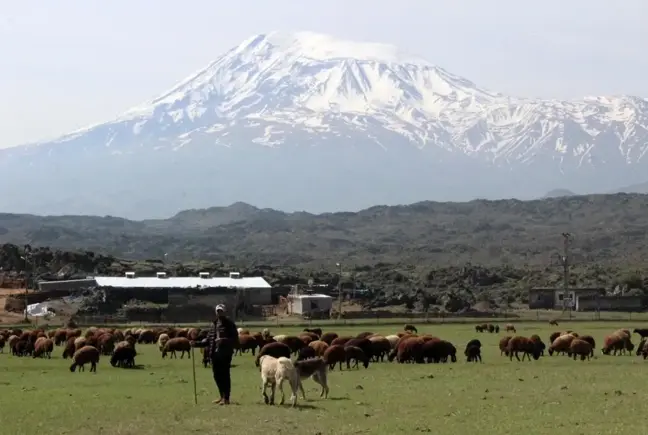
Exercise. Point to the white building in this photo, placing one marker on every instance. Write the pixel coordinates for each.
(308, 303)
(258, 290)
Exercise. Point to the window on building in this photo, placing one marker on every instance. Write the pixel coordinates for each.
(561, 297)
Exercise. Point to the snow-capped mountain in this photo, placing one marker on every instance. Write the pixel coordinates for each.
(306, 121)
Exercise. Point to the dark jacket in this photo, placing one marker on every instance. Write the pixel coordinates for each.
(223, 336)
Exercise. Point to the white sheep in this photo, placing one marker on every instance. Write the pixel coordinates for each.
(393, 340)
(274, 371)
(162, 341)
(280, 338)
(265, 333)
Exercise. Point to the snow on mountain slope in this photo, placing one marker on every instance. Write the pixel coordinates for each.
(306, 91)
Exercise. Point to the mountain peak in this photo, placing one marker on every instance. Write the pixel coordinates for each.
(323, 47)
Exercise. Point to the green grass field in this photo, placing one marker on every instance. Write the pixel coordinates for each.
(553, 395)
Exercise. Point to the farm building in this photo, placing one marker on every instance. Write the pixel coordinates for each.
(309, 303)
(581, 299)
(256, 290)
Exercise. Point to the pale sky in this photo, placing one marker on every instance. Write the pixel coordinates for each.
(65, 64)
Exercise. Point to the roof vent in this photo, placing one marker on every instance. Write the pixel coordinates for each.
(204, 275)
(161, 275)
(130, 274)
(235, 275)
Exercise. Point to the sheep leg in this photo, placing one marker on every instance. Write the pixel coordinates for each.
(301, 388)
(281, 390)
(264, 386)
(93, 367)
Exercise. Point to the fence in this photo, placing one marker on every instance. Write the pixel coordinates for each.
(376, 318)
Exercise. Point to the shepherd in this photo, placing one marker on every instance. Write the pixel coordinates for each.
(220, 344)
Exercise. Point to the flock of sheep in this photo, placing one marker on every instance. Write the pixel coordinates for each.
(316, 352)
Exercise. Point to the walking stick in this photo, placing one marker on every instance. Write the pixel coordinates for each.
(193, 368)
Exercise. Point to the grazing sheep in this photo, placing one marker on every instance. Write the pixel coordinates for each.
(356, 354)
(473, 353)
(436, 351)
(642, 349)
(380, 348)
(591, 341)
(83, 356)
(479, 328)
(43, 348)
(307, 337)
(618, 341)
(580, 347)
(335, 354)
(319, 346)
(409, 349)
(328, 337)
(510, 328)
(393, 340)
(274, 371)
(503, 345)
(538, 341)
(70, 348)
(561, 345)
(22, 348)
(317, 331)
(315, 368)
(497, 329)
(162, 341)
(79, 342)
(525, 345)
(362, 343)
(123, 355)
(275, 350)
(553, 336)
(147, 336)
(410, 328)
(2, 344)
(553, 322)
(178, 344)
(106, 343)
(643, 333)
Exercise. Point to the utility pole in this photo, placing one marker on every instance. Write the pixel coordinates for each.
(339, 265)
(28, 272)
(565, 263)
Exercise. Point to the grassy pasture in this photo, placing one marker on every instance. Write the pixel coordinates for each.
(553, 395)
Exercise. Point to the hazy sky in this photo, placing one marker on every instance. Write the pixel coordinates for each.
(68, 63)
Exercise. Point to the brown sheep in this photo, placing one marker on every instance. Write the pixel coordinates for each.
(380, 348)
(69, 348)
(341, 341)
(294, 343)
(123, 355)
(362, 343)
(275, 349)
(247, 342)
(591, 341)
(510, 328)
(642, 349)
(178, 344)
(60, 337)
(561, 345)
(312, 335)
(503, 345)
(538, 341)
(553, 336)
(409, 349)
(316, 331)
(354, 353)
(79, 342)
(618, 341)
(328, 337)
(479, 328)
(106, 343)
(83, 356)
(319, 346)
(525, 345)
(334, 354)
(306, 353)
(364, 335)
(410, 328)
(305, 338)
(491, 328)
(582, 348)
(43, 347)
(147, 336)
(437, 351)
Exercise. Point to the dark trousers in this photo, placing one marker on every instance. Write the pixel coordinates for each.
(221, 361)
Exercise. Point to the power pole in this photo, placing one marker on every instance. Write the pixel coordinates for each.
(565, 263)
(339, 265)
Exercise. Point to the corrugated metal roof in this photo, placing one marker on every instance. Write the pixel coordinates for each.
(181, 282)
